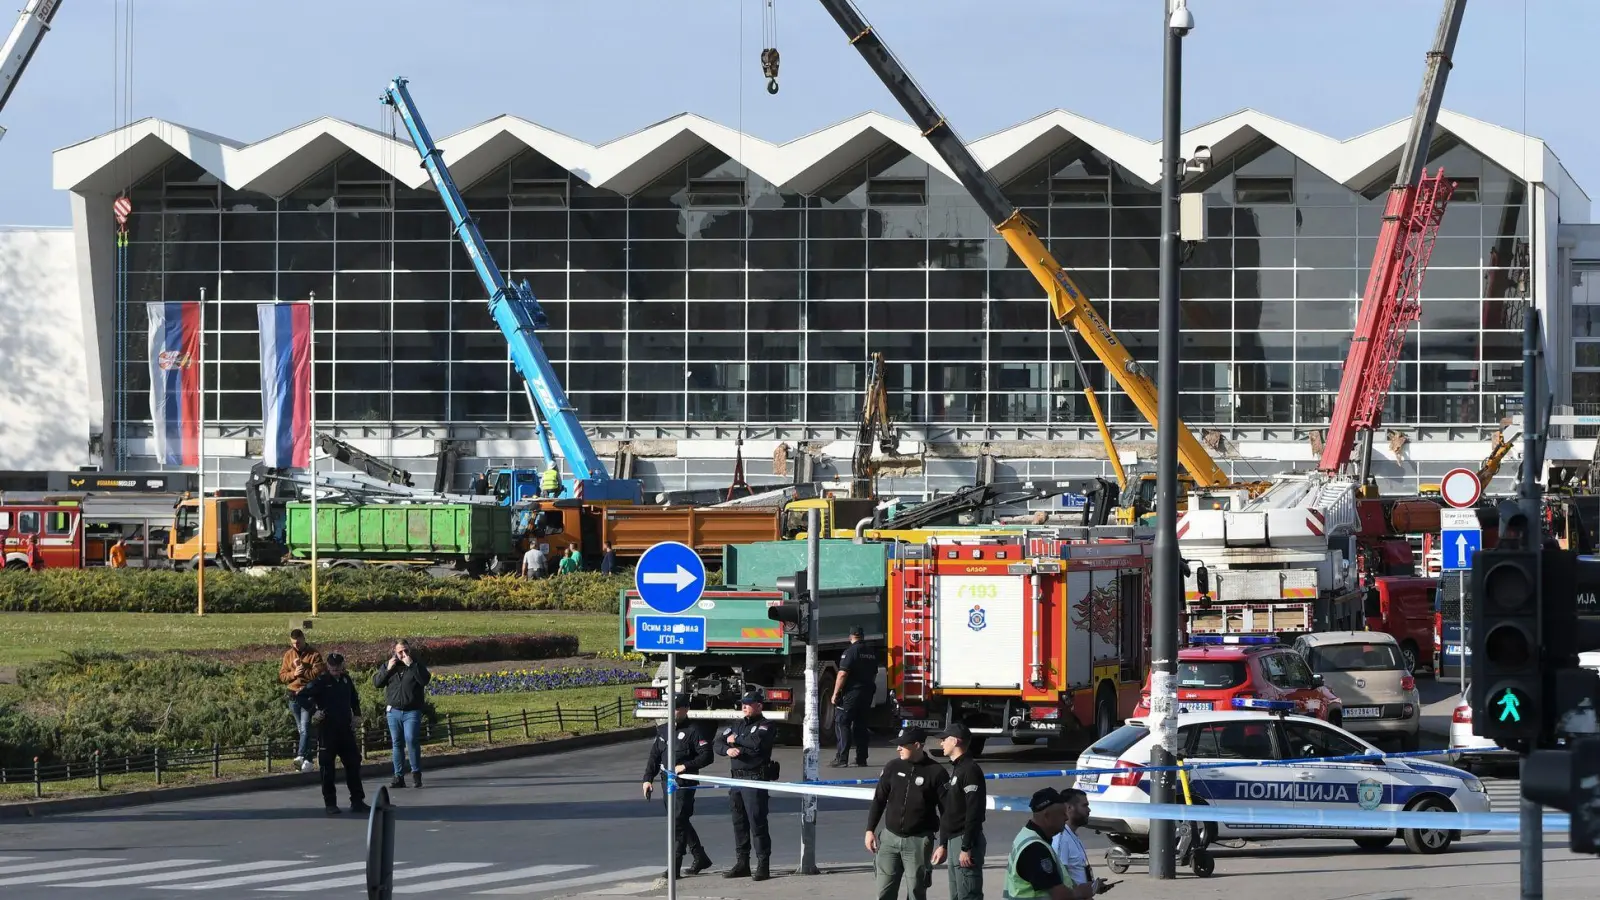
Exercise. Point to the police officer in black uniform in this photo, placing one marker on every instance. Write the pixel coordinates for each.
(693, 753)
(853, 692)
(747, 743)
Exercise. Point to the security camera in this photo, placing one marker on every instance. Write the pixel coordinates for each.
(1201, 161)
(1181, 20)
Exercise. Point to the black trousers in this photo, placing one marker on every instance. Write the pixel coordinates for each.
(687, 839)
(339, 741)
(749, 808)
(850, 728)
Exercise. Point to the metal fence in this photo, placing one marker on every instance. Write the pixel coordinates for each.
(449, 729)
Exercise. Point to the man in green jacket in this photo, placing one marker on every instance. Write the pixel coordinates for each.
(1034, 870)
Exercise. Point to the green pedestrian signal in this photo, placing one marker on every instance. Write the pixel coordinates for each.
(1508, 704)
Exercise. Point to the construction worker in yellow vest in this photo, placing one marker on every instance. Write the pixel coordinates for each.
(1034, 870)
(550, 483)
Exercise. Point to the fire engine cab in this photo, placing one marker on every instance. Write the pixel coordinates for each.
(1020, 637)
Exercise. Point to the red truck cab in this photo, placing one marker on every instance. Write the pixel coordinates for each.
(1406, 607)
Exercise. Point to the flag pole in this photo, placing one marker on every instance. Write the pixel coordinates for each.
(311, 340)
(200, 477)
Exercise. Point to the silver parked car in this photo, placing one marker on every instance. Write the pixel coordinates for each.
(1368, 672)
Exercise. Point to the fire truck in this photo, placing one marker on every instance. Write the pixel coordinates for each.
(1029, 638)
(76, 531)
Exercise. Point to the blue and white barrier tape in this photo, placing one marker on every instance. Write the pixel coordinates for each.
(1298, 815)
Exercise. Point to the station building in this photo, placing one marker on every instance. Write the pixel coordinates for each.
(705, 285)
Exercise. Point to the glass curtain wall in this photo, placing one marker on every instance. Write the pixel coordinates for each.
(712, 296)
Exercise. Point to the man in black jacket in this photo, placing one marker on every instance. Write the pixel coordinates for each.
(403, 680)
(747, 743)
(961, 828)
(910, 795)
(335, 709)
(692, 753)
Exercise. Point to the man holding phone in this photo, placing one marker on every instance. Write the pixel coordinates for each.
(403, 680)
(1034, 870)
(1069, 848)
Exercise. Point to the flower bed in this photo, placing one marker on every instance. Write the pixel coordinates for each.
(522, 680)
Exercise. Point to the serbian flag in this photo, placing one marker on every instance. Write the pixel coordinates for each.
(285, 383)
(175, 382)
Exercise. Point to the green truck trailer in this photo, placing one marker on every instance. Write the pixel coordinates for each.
(469, 537)
(747, 650)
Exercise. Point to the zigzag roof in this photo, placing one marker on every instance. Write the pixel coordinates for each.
(276, 164)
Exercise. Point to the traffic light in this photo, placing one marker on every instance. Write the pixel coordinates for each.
(1568, 779)
(796, 613)
(1507, 659)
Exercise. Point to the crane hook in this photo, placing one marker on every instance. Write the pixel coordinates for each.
(769, 68)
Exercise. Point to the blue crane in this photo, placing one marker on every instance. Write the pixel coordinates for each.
(518, 314)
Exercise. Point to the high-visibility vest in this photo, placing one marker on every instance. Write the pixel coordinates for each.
(551, 479)
(1017, 887)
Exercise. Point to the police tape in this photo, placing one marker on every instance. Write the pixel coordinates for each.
(1185, 767)
(1299, 815)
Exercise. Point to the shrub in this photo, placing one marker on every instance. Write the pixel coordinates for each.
(289, 590)
(126, 705)
(519, 680)
(436, 651)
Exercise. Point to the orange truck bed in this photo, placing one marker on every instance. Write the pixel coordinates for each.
(633, 529)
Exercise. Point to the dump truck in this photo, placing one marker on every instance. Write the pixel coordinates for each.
(745, 649)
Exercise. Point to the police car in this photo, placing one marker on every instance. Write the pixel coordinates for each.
(1253, 732)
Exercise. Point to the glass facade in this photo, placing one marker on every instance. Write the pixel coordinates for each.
(711, 295)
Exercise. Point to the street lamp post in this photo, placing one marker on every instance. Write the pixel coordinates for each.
(1168, 565)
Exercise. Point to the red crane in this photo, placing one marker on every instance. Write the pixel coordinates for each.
(1391, 302)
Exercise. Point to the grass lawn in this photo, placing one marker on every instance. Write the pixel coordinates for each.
(30, 637)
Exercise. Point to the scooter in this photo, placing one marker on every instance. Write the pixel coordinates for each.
(1192, 842)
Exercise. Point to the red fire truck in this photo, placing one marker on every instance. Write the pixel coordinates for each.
(77, 531)
(1026, 638)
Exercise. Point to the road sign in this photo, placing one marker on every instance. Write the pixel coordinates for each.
(1457, 547)
(1461, 488)
(1074, 501)
(669, 634)
(1459, 520)
(670, 577)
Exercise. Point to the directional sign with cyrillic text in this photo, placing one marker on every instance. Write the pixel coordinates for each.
(1457, 546)
(670, 577)
(669, 634)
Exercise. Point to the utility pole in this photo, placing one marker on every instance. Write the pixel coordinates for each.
(1531, 822)
(812, 744)
(1168, 565)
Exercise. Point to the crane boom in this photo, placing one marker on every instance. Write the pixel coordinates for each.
(1072, 309)
(518, 314)
(1391, 301)
(21, 43)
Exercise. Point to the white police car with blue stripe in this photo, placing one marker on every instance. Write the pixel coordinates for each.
(1280, 762)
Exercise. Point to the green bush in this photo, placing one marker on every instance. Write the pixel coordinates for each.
(289, 590)
(433, 651)
(129, 705)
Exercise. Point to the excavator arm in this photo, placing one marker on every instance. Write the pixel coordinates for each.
(1071, 307)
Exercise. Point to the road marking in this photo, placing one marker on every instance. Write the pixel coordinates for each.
(192, 873)
(486, 878)
(270, 876)
(601, 878)
(358, 880)
(56, 864)
(109, 870)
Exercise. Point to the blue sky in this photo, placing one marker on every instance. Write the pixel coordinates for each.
(597, 69)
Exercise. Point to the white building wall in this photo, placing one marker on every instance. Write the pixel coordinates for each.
(44, 407)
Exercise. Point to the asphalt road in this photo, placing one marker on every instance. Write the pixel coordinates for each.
(567, 825)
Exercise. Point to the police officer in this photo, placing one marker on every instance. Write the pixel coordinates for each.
(961, 826)
(853, 692)
(909, 797)
(693, 753)
(747, 743)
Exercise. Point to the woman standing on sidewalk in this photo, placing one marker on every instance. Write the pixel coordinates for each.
(403, 680)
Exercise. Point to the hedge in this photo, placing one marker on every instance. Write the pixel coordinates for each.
(289, 590)
(433, 652)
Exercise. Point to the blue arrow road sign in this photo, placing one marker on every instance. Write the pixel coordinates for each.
(670, 577)
(1457, 546)
(669, 634)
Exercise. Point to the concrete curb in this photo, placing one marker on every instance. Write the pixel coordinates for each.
(37, 808)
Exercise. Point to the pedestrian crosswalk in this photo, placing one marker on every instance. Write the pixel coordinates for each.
(121, 877)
